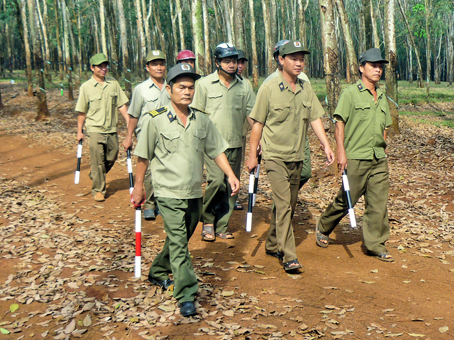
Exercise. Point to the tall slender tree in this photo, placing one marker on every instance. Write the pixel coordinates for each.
(39, 62)
(180, 25)
(268, 43)
(66, 25)
(390, 74)
(255, 71)
(28, 59)
(197, 27)
(206, 27)
(330, 54)
(124, 47)
(352, 67)
(102, 22)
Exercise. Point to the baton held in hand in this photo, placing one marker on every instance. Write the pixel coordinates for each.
(256, 181)
(138, 220)
(79, 157)
(351, 212)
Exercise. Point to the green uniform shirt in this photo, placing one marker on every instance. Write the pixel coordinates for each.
(100, 103)
(273, 75)
(176, 152)
(147, 97)
(365, 121)
(226, 107)
(286, 116)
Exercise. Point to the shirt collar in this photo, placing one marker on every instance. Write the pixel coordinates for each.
(285, 85)
(216, 79)
(151, 83)
(95, 83)
(173, 117)
(361, 87)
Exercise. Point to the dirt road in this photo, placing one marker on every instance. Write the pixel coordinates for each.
(67, 261)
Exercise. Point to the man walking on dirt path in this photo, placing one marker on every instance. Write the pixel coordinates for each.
(306, 171)
(285, 107)
(242, 65)
(148, 96)
(363, 116)
(99, 99)
(227, 101)
(175, 139)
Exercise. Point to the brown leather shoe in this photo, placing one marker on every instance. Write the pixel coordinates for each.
(99, 197)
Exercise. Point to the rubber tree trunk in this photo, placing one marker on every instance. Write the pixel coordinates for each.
(58, 40)
(43, 24)
(428, 42)
(330, 54)
(352, 61)
(174, 18)
(67, 54)
(39, 62)
(415, 48)
(180, 25)
(390, 74)
(206, 28)
(302, 29)
(102, 23)
(143, 47)
(255, 71)
(268, 43)
(124, 47)
(197, 33)
(373, 22)
(28, 58)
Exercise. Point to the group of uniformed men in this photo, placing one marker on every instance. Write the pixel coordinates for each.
(183, 122)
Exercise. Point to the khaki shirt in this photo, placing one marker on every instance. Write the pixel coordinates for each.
(226, 107)
(100, 103)
(286, 116)
(147, 97)
(301, 76)
(176, 152)
(365, 121)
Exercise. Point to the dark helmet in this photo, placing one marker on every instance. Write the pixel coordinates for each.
(277, 47)
(185, 55)
(225, 50)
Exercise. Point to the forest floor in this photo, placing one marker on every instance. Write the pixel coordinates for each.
(66, 262)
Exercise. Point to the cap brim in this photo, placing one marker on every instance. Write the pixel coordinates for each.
(194, 76)
(383, 61)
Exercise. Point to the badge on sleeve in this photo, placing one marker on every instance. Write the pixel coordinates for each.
(281, 86)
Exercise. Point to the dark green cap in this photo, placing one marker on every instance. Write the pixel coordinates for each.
(372, 55)
(182, 69)
(98, 59)
(293, 46)
(241, 55)
(156, 55)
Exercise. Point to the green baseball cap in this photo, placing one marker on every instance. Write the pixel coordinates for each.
(156, 55)
(372, 55)
(293, 46)
(98, 59)
(182, 69)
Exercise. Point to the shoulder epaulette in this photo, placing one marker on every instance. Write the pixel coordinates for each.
(156, 112)
(196, 109)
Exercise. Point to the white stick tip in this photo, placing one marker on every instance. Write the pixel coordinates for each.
(76, 179)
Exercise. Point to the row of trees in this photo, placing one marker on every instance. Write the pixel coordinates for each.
(61, 36)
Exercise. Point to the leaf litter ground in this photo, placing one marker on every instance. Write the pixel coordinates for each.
(67, 261)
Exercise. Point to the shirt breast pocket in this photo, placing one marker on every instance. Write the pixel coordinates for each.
(113, 100)
(213, 102)
(362, 110)
(170, 141)
(280, 112)
(306, 109)
(95, 103)
(199, 139)
(151, 103)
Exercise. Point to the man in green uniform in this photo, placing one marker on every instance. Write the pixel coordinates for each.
(306, 171)
(284, 108)
(148, 96)
(99, 99)
(174, 140)
(242, 64)
(227, 100)
(363, 116)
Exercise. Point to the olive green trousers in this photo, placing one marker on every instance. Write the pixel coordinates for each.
(371, 179)
(181, 217)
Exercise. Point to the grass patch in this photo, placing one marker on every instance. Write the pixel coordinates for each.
(435, 118)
